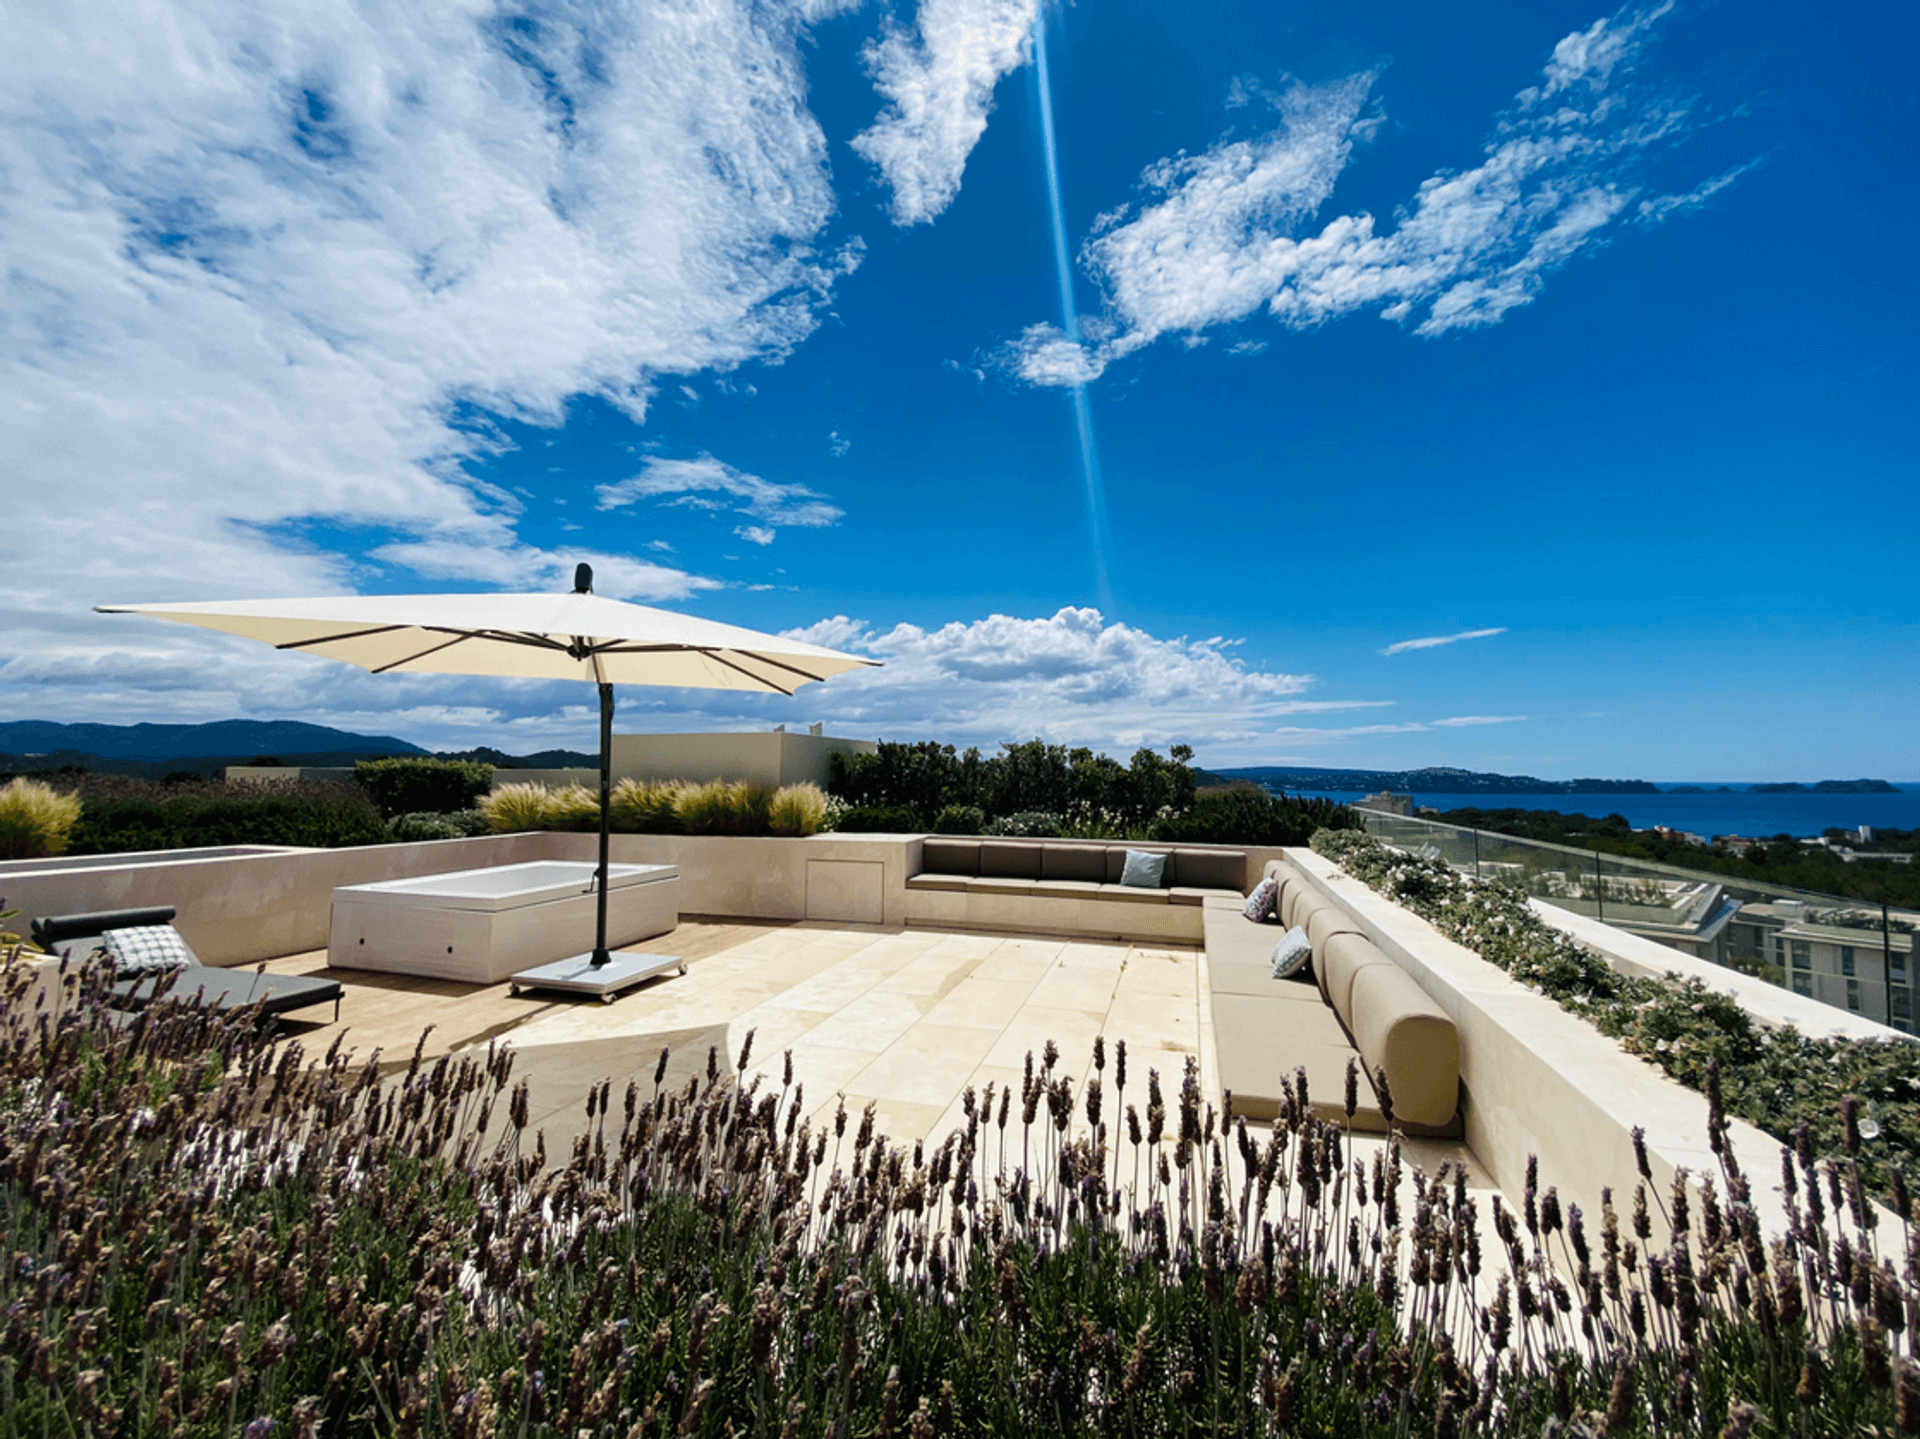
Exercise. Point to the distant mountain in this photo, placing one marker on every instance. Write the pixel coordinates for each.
(540, 759)
(1431, 780)
(158, 742)
(1828, 786)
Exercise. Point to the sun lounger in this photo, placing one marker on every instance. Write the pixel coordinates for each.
(77, 935)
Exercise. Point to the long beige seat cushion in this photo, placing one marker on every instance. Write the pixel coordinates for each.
(1399, 1029)
(1262, 1041)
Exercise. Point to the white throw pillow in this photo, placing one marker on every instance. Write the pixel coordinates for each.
(148, 949)
(1261, 902)
(1292, 952)
(1143, 870)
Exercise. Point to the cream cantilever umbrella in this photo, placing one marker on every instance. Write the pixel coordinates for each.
(577, 636)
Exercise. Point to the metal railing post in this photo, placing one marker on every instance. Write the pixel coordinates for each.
(1886, 958)
(1599, 890)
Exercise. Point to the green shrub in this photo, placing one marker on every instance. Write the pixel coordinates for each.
(410, 784)
(647, 806)
(120, 815)
(878, 819)
(464, 825)
(1252, 816)
(513, 808)
(961, 819)
(1029, 824)
(35, 819)
(796, 810)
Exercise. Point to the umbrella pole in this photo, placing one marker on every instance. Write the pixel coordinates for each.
(600, 955)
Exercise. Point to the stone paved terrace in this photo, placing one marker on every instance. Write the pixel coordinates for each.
(905, 1019)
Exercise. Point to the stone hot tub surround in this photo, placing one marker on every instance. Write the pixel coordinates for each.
(480, 926)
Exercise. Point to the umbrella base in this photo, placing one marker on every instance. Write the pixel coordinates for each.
(578, 975)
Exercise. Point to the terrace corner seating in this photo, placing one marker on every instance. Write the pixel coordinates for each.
(1069, 885)
(1358, 1003)
(75, 936)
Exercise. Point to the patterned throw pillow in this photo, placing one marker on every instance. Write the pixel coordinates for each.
(1143, 870)
(149, 949)
(1291, 953)
(1261, 902)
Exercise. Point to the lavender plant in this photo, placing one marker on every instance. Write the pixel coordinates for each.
(210, 1233)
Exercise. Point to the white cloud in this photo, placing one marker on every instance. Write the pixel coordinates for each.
(1072, 677)
(695, 483)
(838, 444)
(939, 88)
(1459, 720)
(1221, 235)
(1435, 641)
(1335, 736)
(272, 265)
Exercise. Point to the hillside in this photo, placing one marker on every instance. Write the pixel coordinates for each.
(30, 739)
(1431, 780)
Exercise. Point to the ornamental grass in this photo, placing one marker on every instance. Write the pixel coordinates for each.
(35, 819)
(210, 1232)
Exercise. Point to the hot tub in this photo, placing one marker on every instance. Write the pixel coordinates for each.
(478, 926)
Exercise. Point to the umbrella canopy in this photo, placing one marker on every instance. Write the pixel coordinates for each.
(579, 636)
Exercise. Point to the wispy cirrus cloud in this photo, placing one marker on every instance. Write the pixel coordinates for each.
(939, 87)
(1462, 720)
(1435, 641)
(1221, 235)
(705, 483)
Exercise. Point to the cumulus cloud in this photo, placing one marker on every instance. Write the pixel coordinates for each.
(1219, 236)
(283, 268)
(709, 484)
(939, 87)
(1435, 641)
(1072, 677)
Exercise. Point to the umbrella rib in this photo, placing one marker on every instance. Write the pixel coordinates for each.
(715, 654)
(742, 669)
(422, 654)
(348, 635)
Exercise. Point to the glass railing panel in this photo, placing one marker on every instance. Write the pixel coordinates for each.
(1846, 953)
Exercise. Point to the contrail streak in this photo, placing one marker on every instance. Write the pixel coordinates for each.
(1070, 320)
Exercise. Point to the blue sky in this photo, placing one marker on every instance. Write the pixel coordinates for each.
(1519, 387)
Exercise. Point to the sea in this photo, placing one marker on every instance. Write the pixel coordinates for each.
(1738, 811)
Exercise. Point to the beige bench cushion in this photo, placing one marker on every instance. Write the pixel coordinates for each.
(1328, 921)
(1344, 957)
(1399, 1028)
(937, 881)
(1261, 1041)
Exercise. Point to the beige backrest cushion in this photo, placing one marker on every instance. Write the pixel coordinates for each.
(1398, 1028)
(1345, 956)
(1326, 923)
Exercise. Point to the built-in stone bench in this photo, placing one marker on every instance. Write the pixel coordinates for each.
(1069, 886)
(1363, 1007)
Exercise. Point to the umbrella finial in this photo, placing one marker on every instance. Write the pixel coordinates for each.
(583, 579)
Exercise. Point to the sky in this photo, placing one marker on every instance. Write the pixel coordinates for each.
(1519, 387)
